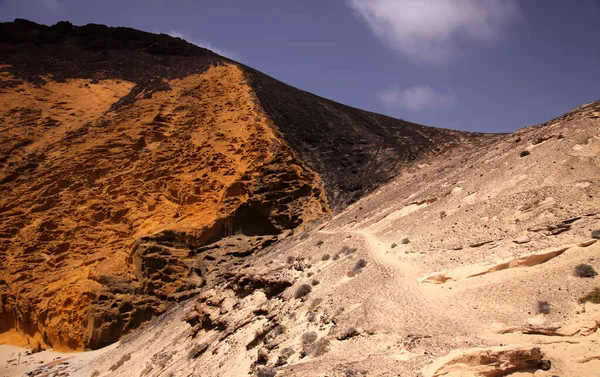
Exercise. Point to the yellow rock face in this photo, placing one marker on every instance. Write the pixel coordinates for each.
(92, 168)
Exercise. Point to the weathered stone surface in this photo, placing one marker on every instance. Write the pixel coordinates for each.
(492, 362)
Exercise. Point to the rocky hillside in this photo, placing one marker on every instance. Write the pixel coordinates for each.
(138, 170)
(481, 262)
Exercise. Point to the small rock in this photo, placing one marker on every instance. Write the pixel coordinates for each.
(522, 240)
(262, 356)
(545, 365)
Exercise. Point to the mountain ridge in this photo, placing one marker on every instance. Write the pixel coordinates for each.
(138, 168)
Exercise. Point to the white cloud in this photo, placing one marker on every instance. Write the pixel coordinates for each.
(418, 98)
(433, 30)
(197, 42)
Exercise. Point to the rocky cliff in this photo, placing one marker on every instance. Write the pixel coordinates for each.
(137, 170)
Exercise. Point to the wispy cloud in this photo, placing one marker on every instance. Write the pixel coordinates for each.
(418, 98)
(206, 45)
(52, 6)
(433, 30)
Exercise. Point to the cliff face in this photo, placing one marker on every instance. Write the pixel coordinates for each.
(137, 170)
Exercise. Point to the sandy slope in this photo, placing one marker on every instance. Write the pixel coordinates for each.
(458, 253)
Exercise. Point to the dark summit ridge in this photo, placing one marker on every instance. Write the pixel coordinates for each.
(354, 151)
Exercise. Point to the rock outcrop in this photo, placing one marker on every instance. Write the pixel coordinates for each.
(491, 362)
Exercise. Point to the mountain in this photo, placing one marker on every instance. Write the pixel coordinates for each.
(477, 262)
(138, 171)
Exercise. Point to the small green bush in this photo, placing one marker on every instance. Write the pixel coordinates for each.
(325, 257)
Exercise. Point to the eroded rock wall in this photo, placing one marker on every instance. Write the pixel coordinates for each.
(103, 204)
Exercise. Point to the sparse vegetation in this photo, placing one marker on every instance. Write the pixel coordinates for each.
(309, 337)
(312, 317)
(95, 373)
(266, 372)
(524, 153)
(325, 257)
(302, 291)
(543, 307)
(336, 256)
(394, 245)
(318, 348)
(348, 333)
(120, 363)
(278, 330)
(197, 350)
(360, 264)
(319, 243)
(291, 259)
(315, 282)
(593, 297)
(584, 271)
(596, 234)
(347, 250)
(284, 355)
(405, 241)
(443, 214)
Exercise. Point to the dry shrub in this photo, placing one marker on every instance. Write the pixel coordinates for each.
(309, 337)
(584, 271)
(302, 291)
(543, 307)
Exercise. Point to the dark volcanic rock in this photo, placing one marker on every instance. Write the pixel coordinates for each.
(354, 151)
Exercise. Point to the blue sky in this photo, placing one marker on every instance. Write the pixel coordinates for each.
(478, 65)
